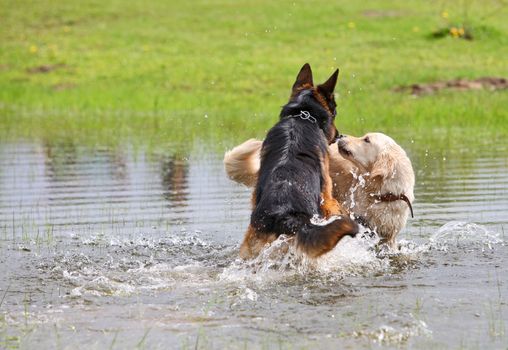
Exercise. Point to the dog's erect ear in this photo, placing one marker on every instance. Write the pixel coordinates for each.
(328, 86)
(384, 167)
(304, 77)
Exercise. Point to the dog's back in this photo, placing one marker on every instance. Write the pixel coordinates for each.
(293, 184)
(289, 177)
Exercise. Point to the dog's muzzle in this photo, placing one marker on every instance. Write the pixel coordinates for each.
(341, 145)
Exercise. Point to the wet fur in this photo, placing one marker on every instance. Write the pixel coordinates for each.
(388, 219)
(386, 169)
(293, 182)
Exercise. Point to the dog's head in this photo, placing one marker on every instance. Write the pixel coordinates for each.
(319, 99)
(387, 164)
(374, 152)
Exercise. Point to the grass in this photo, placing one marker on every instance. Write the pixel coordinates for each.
(185, 71)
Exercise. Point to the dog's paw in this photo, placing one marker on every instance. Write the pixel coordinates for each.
(331, 208)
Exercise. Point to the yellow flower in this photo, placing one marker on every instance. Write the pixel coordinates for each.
(33, 49)
(416, 29)
(351, 25)
(444, 14)
(461, 31)
(454, 32)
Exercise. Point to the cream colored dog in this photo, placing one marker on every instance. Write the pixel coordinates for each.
(372, 176)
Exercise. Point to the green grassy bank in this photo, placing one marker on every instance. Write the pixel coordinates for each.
(160, 70)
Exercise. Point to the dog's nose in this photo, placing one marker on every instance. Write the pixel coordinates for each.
(341, 136)
(336, 137)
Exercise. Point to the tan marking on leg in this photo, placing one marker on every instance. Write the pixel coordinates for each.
(254, 242)
(253, 199)
(330, 205)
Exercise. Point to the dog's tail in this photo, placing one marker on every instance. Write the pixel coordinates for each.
(242, 162)
(315, 239)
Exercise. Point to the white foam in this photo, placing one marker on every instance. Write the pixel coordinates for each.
(352, 257)
(388, 335)
(281, 259)
(184, 238)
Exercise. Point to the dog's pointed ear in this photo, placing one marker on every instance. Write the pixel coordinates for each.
(328, 86)
(304, 77)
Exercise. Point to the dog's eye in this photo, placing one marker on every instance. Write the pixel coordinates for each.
(366, 140)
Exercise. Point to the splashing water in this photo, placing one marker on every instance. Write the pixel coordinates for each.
(458, 234)
(388, 335)
(360, 183)
(359, 256)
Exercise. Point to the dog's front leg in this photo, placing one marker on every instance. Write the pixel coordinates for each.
(329, 205)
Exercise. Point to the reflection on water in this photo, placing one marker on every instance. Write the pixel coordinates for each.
(174, 173)
(117, 246)
(97, 191)
(81, 191)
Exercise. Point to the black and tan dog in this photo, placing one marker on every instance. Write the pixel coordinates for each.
(294, 185)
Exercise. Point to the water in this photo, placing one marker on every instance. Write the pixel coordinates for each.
(128, 247)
